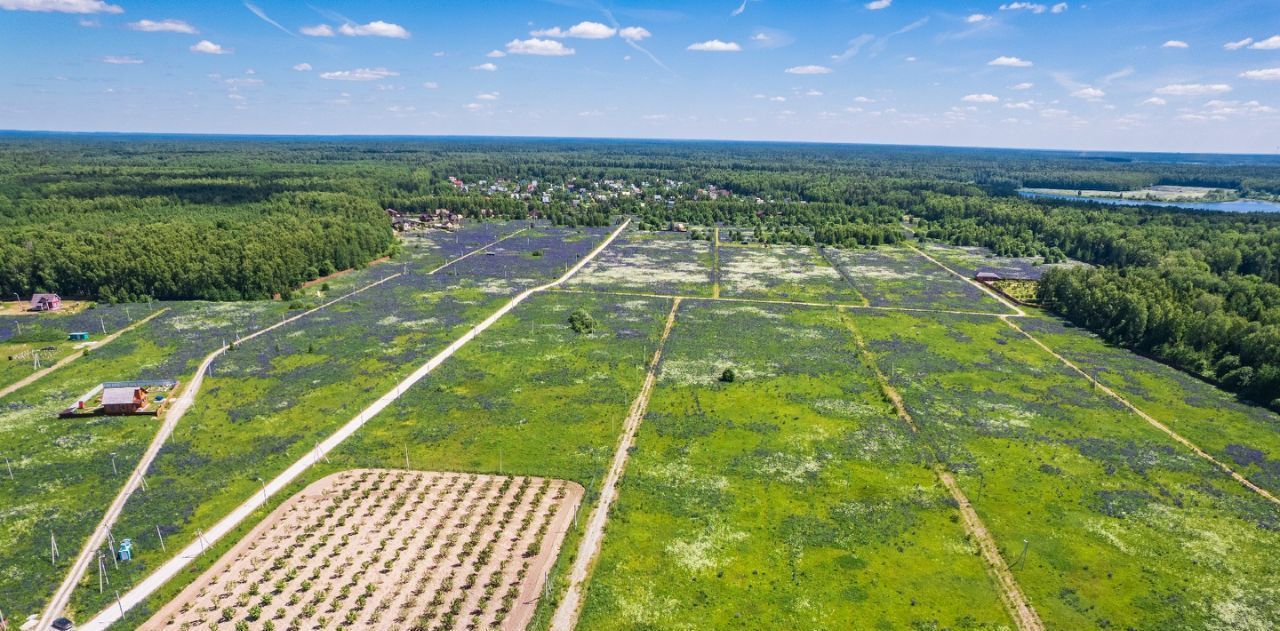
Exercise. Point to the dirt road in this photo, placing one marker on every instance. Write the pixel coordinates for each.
(566, 615)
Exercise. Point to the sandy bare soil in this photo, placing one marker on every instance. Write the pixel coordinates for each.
(388, 549)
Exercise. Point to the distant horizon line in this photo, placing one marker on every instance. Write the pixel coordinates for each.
(228, 135)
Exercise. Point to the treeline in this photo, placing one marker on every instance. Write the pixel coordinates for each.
(1200, 290)
(128, 249)
(1151, 310)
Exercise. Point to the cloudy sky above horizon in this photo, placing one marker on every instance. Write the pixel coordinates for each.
(1174, 75)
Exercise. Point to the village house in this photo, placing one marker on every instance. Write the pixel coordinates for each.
(123, 400)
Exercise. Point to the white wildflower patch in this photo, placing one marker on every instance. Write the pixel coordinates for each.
(389, 321)
(707, 550)
(789, 468)
(639, 606)
(648, 265)
(1110, 532)
(680, 475)
(747, 309)
(845, 408)
(1006, 415)
(756, 269)
(690, 372)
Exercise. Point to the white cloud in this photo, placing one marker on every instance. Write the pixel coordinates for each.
(488, 96)
(1022, 105)
(541, 47)
(634, 33)
(1088, 92)
(359, 74)
(715, 46)
(1022, 86)
(303, 67)
(1155, 100)
(1059, 8)
(980, 98)
(430, 85)
(1012, 62)
(60, 6)
(778, 99)
(1026, 6)
(1264, 74)
(209, 48)
(163, 26)
(813, 93)
(496, 54)
(1193, 89)
(1270, 43)
(808, 70)
(581, 30)
(319, 30)
(485, 67)
(976, 18)
(474, 107)
(1237, 45)
(863, 99)
(1175, 43)
(376, 28)
(121, 60)
(876, 5)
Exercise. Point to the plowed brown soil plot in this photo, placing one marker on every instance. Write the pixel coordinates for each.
(391, 550)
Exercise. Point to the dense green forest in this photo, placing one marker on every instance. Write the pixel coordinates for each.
(128, 217)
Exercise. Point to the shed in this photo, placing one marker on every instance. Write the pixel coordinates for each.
(123, 400)
(78, 336)
(45, 302)
(987, 277)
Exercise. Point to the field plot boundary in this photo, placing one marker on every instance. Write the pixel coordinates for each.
(845, 277)
(168, 570)
(787, 303)
(35, 376)
(1024, 615)
(1147, 417)
(1017, 311)
(566, 615)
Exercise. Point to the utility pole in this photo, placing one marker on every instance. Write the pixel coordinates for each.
(53, 549)
(111, 541)
(9, 467)
(103, 324)
(114, 470)
(162, 548)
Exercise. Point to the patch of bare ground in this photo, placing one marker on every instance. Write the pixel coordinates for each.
(388, 549)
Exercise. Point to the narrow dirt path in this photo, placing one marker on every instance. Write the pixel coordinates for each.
(1017, 311)
(30, 379)
(848, 280)
(715, 265)
(566, 614)
(793, 303)
(1024, 615)
(1147, 417)
(165, 572)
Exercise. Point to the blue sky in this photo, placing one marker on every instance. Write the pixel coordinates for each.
(1176, 75)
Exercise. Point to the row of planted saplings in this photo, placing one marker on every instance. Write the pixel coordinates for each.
(348, 498)
(308, 531)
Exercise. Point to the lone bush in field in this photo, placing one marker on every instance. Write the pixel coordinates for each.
(582, 322)
(728, 376)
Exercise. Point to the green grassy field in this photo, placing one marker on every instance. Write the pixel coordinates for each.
(529, 396)
(1124, 528)
(791, 497)
(1245, 437)
(62, 474)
